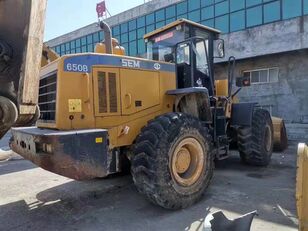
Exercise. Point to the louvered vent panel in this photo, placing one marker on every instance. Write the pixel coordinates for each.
(113, 100)
(102, 92)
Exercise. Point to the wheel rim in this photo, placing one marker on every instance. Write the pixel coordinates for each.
(268, 138)
(187, 162)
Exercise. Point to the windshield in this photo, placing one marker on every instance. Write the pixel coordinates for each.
(162, 47)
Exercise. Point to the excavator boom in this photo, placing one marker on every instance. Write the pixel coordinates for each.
(22, 25)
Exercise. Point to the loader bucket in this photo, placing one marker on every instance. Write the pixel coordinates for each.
(22, 25)
(280, 134)
(302, 187)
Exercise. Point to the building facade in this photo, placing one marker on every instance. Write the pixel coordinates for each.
(269, 38)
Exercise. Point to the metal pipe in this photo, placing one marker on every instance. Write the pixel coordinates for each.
(108, 38)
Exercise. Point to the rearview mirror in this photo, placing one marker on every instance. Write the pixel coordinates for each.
(219, 50)
(243, 81)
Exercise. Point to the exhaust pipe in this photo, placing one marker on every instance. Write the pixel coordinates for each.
(108, 39)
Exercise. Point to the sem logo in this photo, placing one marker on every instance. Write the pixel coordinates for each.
(157, 66)
(130, 63)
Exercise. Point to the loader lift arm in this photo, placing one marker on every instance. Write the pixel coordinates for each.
(22, 25)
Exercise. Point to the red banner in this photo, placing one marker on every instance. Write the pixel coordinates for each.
(101, 9)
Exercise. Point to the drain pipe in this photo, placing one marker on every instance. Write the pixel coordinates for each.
(108, 40)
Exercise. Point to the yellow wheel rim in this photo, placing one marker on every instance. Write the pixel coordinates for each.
(187, 162)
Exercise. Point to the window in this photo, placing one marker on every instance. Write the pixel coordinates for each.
(237, 20)
(124, 38)
(182, 16)
(221, 8)
(124, 28)
(305, 6)
(170, 20)
(132, 35)
(73, 44)
(96, 37)
(89, 39)
(267, 75)
(101, 36)
(170, 12)
(150, 19)
(194, 16)
(272, 12)
(160, 24)
(207, 12)
(222, 23)
(141, 22)
(209, 23)
(150, 28)
(67, 46)
(133, 48)
(254, 16)
(253, 2)
(181, 8)
(141, 46)
(132, 25)
(90, 48)
(206, 2)
(237, 5)
(116, 30)
(140, 32)
(84, 49)
(83, 41)
(193, 5)
(291, 8)
(160, 15)
(78, 42)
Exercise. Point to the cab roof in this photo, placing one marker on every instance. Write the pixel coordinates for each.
(180, 22)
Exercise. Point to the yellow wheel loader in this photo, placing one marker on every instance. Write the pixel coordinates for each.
(166, 114)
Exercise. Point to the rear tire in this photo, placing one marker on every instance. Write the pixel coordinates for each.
(173, 160)
(255, 143)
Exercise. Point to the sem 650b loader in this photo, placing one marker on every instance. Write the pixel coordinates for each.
(166, 114)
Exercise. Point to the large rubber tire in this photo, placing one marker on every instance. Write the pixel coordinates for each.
(153, 153)
(255, 143)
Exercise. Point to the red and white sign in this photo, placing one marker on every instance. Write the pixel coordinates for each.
(164, 37)
(101, 9)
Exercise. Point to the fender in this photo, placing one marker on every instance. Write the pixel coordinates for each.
(194, 101)
(242, 114)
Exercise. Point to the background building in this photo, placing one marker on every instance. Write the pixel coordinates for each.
(269, 38)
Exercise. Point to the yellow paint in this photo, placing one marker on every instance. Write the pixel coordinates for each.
(146, 86)
(99, 140)
(221, 87)
(302, 187)
(74, 105)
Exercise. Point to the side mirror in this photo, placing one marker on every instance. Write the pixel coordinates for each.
(219, 48)
(243, 81)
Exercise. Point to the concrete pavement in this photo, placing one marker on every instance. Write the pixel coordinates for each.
(34, 199)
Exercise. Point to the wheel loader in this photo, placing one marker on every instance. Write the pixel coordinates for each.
(165, 114)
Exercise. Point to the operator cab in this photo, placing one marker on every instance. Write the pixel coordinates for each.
(190, 46)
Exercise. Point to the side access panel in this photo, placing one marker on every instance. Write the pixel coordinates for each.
(139, 90)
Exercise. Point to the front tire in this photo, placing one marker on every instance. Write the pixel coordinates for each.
(255, 143)
(173, 160)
